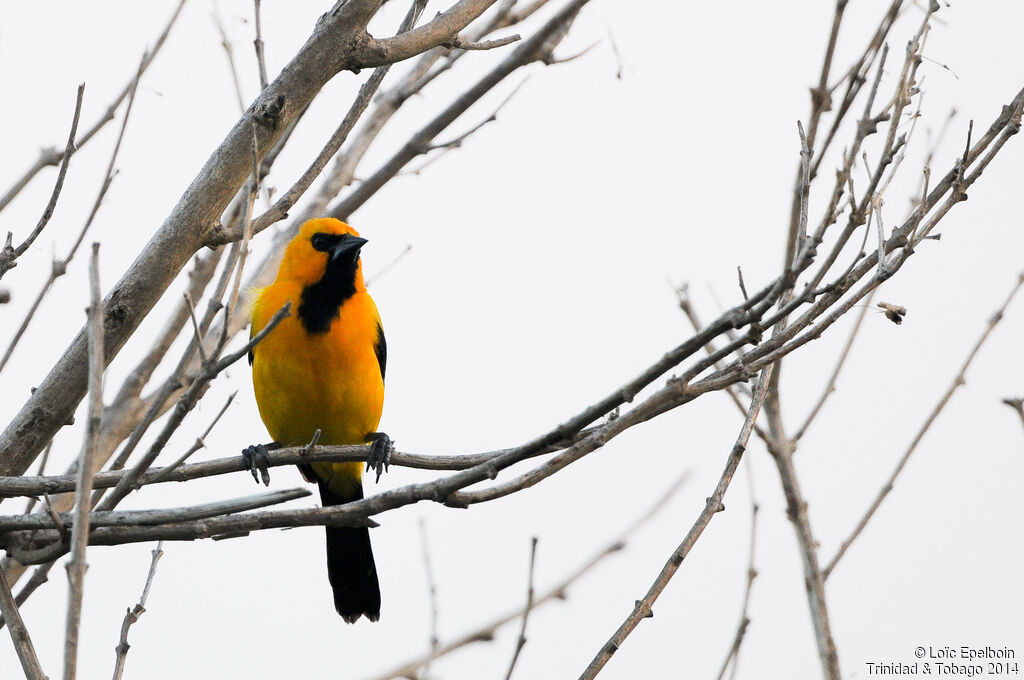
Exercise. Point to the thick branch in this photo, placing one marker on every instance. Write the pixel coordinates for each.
(337, 43)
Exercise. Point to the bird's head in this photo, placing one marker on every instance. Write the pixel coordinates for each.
(322, 244)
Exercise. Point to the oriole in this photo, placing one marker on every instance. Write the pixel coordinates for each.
(323, 368)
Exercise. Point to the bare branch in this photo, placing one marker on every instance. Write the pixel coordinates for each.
(830, 386)
(59, 267)
(129, 518)
(229, 52)
(50, 157)
(457, 43)
(958, 381)
(428, 569)
(337, 43)
(714, 505)
(486, 632)
(42, 468)
(133, 614)
(200, 442)
(814, 579)
(8, 255)
(443, 28)
(386, 268)
(19, 634)
(526, 52)
(185, 404)
(741, 629)
(279, 210)
(521, 641)
(258, 44)
(35, 486)
(80, 526)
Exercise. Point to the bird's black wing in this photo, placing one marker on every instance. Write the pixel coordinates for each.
(380, 348)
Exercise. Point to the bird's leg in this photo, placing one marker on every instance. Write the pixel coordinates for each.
(255, 458)
(381, 447)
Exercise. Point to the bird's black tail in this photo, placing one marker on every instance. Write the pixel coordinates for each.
(350, 566)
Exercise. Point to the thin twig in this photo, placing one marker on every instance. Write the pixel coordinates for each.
(805, 188)
(958, 381)
(457, 43)
(535, 48)
(185, 404)
(243, 250)
(80, 527)
(428, 569)
(485, 633)
(60, 524)
(152, 517)
(830, 386)
(133, 614)
(741, 629)
(643, 608)
(8, 255)
(521, 641)
(457, 141)
(42, 468)
(386, 268)
(59, 267)
(258, 44)
(682, 295)
(279, 210)
(229, 52)
(200, 442)
(195, 327)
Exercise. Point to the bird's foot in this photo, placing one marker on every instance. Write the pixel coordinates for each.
(255, 458)
(381, 448)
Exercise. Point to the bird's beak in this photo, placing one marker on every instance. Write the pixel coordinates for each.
(349, 246)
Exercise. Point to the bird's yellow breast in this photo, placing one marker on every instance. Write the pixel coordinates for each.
(329, 381)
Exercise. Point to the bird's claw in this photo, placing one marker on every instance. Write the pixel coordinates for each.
(255, 458)
(381, 448)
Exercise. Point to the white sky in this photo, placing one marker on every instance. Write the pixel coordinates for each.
(537, 283)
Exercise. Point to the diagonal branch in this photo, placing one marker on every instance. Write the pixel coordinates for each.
(19, 634)
(958, 381)
(443, 28)
(485, 633)
(80, 526)
(9, 254)
(521, 641)
(528, 51)
(133, 614)
(279, 210)
(59, 267)
(337, 44)
(50, 157)
(643, 608)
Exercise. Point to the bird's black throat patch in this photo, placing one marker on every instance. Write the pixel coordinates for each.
(322, 301)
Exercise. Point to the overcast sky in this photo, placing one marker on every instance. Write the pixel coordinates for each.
(544, 255)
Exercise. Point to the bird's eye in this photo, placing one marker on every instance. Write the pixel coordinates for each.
(319, 242)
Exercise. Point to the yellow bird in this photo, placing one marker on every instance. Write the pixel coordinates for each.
(323, 368)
